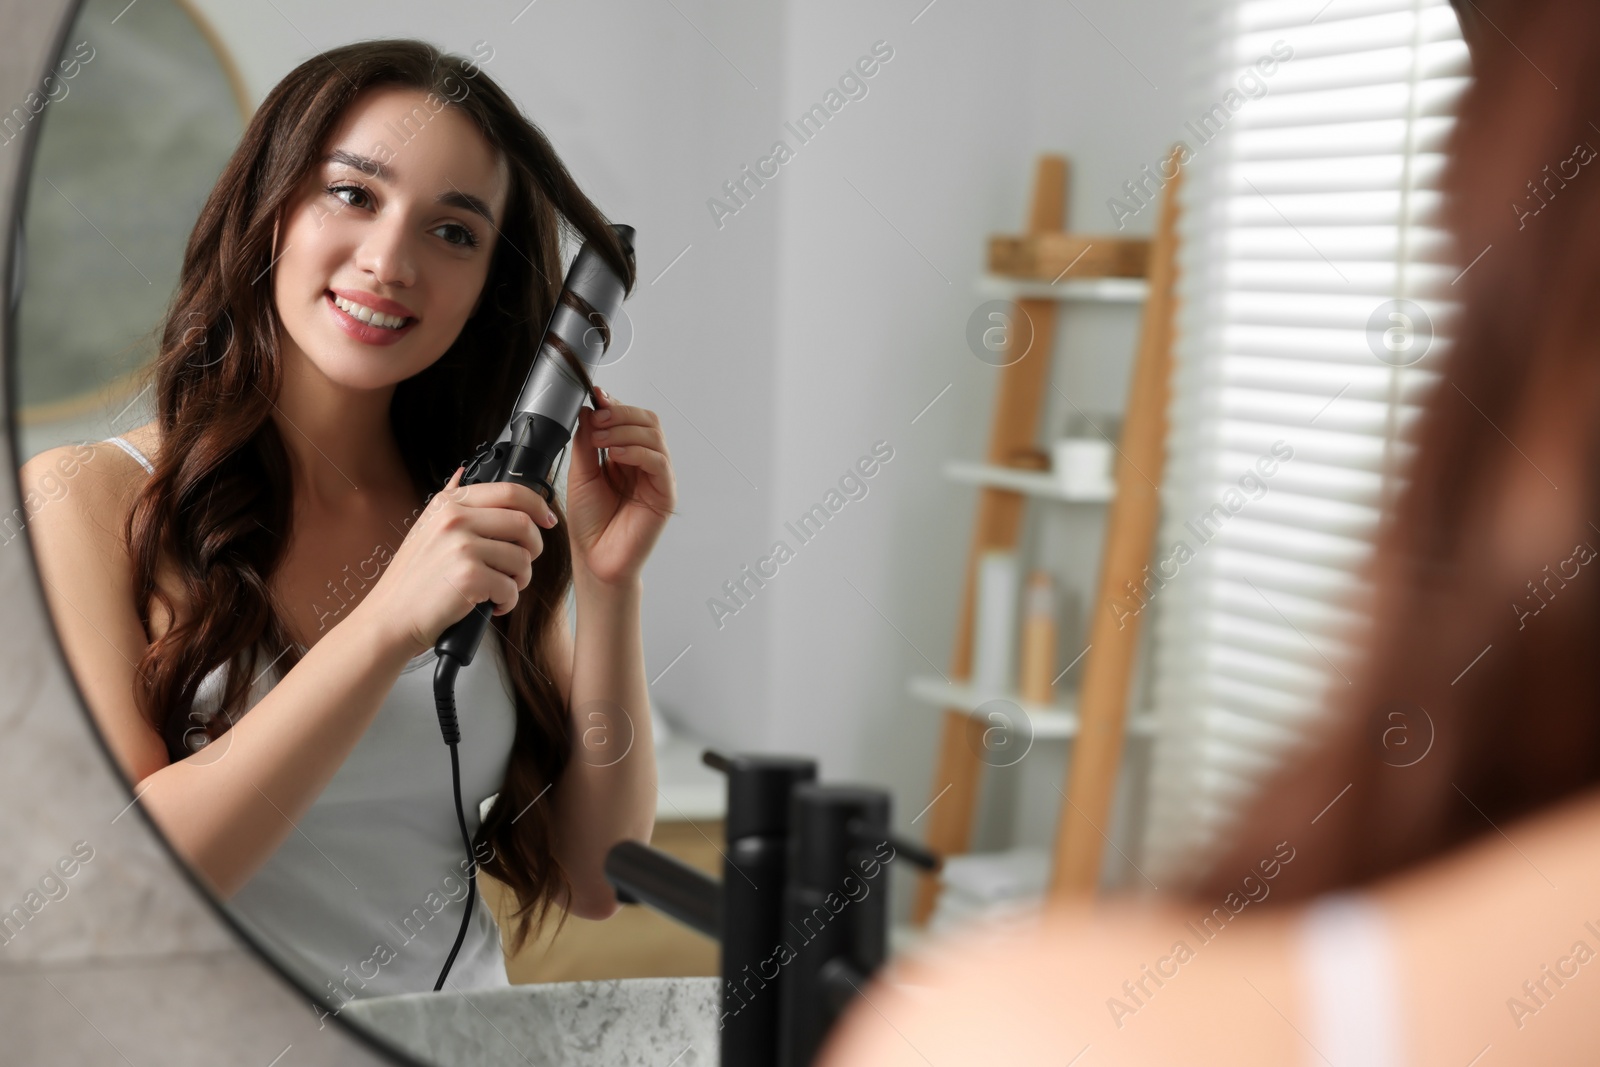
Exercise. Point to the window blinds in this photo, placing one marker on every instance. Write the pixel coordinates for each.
(1305, 218)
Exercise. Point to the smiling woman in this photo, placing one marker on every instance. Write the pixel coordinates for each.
(351, 317)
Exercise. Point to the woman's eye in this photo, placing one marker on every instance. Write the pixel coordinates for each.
(452, 232)
(358, 194)
(457, 234)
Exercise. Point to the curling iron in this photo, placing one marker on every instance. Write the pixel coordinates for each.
(528, 451)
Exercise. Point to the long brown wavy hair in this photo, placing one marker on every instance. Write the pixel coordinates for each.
(1484, 647)
(219, 505)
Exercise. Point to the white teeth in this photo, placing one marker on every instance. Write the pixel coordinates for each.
(367, 315)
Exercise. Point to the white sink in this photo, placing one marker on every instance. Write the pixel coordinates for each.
(615, 1023)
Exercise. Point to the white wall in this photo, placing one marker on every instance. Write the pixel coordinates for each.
(868, 332)
(820, 318)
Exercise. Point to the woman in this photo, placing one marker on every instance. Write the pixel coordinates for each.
(248, 587)
(1453, 885)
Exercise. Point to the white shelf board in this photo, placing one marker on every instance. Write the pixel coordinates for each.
(1097, 290)
(1049, 721)
(1034, 483)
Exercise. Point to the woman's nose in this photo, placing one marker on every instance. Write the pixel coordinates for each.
(386, 253)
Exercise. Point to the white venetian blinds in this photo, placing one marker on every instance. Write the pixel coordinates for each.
(1315, 206)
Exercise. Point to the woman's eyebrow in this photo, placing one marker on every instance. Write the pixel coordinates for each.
(370, 167)
(467, 202)
(373, 169)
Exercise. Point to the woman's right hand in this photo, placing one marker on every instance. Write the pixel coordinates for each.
(470, 544)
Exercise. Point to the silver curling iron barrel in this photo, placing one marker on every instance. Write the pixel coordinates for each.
(546, 414)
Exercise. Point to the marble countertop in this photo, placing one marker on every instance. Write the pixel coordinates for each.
(634, 1022)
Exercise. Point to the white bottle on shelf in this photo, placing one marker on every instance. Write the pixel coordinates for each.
(995, 628)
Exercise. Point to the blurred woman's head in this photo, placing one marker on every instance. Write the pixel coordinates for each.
(1485, 590)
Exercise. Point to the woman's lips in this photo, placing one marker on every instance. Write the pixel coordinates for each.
(363, 331)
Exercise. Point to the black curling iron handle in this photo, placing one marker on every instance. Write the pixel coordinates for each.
(529, 456)
(461, 639)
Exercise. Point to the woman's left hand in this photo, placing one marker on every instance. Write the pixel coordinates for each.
(611, 536)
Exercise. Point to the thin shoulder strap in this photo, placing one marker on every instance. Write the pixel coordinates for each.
(134, 452)
(1347, 965)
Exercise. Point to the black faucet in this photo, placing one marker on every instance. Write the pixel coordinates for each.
(800, 913)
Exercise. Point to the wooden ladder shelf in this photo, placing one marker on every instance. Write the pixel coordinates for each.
(1130, 530)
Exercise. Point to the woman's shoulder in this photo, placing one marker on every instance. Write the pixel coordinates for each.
(81, 492)
(93, 474)
(78, 497)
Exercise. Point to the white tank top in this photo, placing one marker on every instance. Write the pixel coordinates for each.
(365, 896)
(1348, 969)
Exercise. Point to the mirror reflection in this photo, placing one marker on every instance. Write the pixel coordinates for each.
(423, 500)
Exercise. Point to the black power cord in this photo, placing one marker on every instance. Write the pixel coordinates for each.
(444, 699)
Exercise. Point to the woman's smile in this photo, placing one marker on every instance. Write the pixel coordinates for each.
(367, 318)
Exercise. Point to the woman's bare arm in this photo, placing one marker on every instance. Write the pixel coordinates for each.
(229, 806)
(608, 792)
